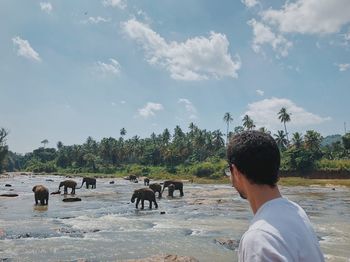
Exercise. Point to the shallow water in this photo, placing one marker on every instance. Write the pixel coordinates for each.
(105, 226)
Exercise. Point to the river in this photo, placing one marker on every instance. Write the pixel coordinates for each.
(105, 226)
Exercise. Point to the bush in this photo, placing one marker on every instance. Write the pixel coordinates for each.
(38, 167)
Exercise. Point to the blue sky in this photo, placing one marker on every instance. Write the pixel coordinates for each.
(73, 69)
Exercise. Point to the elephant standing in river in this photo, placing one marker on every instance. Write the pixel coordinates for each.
(41, 194)
(178, 185)
(68, 183)
(156, 188)
(132, 178)
(144, 194)
(89, 181)
(171, 189)
(146, 181)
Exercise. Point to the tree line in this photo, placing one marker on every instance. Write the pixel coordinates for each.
(170, 149)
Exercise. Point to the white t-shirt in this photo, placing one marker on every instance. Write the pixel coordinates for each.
(280, 231)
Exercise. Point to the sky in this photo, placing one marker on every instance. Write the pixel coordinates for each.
(73, 69)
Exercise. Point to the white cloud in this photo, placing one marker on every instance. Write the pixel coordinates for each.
(264, 113)
(343, 67)
(150, 109)
(24, 49)
(310, 16)
(112, 68)
(114, 3)
(46, 7)
(95, 20)
(250, 3)
(260, 92)
(264, 35)
(190, 108)
(197, 58)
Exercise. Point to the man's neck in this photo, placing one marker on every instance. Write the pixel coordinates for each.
(260, 194)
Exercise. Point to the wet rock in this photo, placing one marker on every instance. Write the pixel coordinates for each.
(228, 243)
(9, 195)
(8, 185)
(55, 192)
(162, 212)
(136, 181)
(111, 182)
(164, 258)
(49, 180)
(71, 199)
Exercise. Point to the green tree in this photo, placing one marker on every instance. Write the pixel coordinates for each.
(297, 140)
(281, 140)
(346, 141)
(59, 145)
(227, 119)
(123, 132)
(284, 117)
(313, 140)
(248, 123)
(264, 130)
(238, 129)
(44, 142)
(3, 146)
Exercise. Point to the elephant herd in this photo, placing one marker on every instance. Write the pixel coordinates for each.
(41, 193)
(149, 193)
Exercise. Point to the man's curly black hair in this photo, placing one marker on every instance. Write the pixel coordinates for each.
(256, 155)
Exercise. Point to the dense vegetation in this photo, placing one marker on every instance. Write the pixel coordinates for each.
(197, 152)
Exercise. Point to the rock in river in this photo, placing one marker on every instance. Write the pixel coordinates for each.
(71, 199)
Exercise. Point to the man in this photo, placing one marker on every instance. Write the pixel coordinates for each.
(280, 229)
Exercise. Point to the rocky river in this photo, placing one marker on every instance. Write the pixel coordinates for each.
(205, 224)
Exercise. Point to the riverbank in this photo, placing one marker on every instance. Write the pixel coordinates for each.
(284, 181)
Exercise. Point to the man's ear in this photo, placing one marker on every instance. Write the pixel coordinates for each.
(236, 173)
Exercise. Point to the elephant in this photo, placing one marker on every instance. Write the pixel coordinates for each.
(41, 194)
(156, 188)
(89, 181)
(144, 194)
(178, 185)
(171, 189)
(132, 177)
(146, 181)
(68, 183)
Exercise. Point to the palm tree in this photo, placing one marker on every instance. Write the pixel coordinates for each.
(44, 142)
(228, 119)
(281, 140)
(217, 139)
(313, 140)
(297, 139)
(284, 117)
(59, 145)
(248, 123)
(264, 130)
(238, 129)
(123, 132)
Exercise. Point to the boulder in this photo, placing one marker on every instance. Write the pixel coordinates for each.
(228, 243)
(111, 182)
(55, 192)
(9, 195)
(8, 185)
(71, 199)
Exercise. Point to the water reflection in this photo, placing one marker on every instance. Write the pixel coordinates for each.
(104, 225)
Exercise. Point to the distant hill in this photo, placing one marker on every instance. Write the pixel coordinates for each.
(329, 140)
